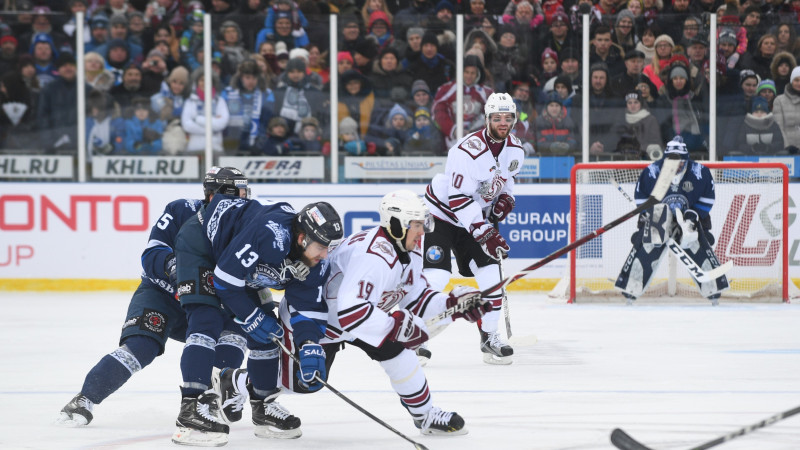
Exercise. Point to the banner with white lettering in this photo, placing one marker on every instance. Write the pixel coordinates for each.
(278, 167)
(145, 168)
(36, 166)
(393, 168)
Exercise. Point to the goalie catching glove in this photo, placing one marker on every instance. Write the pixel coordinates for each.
(688, 223)
(491, 241)
(471, 307)
(408, 329)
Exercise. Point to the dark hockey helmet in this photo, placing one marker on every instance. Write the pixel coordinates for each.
(225, 180)
(320, 223)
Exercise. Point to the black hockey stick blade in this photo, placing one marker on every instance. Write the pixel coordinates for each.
(624, 441)
(668, 171)
(355, 405)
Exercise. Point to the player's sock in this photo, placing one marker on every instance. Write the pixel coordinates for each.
(196, 363)
(230, 350)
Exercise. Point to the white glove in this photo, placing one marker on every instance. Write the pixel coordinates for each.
(688, 228)
(298, 32)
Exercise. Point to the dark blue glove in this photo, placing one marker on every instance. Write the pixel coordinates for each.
(261, 327)
(312, 362)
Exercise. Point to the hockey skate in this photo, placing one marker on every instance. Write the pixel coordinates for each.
(629, 298)
(273, 420)
(423, 354)
(495, 351)
(199, 422)
(231, 387)
(440, 423)
(77, 413)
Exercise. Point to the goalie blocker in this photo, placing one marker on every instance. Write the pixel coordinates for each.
(659, 228)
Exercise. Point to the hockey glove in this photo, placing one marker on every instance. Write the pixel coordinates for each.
(688, 224)
(471, 306)
(408, 329)
(503, 206)
(490, 240)
(312, 364)
(261, 327)
(170, 269)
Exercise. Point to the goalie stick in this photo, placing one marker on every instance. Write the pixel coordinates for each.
(702, 276)
(624, 441)
(355, 405)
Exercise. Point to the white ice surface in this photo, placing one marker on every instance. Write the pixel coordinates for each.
(672, 376)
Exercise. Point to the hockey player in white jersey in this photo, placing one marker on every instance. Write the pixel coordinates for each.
(378, 300)
(476, 190)
(683, 216)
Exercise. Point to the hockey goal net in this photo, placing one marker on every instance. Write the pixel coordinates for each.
(749, 221)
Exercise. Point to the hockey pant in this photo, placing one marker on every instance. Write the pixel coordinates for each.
(643, 261)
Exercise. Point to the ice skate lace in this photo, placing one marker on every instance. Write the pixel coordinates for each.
(495, 341)
(208, 411)
(238, 400)
(438, 417)
(84, 402)
(275, 409)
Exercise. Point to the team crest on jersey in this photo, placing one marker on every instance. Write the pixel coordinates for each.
(687, 186)
(206, 278)
(490, 189)
(676, 201)
(154, 322)
(433, 254)
(391, 298)
(265, 276)
(513, 166)
(383, 247)
(280, 233)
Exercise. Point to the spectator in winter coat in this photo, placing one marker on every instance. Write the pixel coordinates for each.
(767, 90)
(390, 135)
(96, 74)
(131, 87)
(677, 112)
(351, 141)
(387, 74)
(379, 28)
(276, 140)
(423, 137)
(601, 134)
(143, 130)
(105, 130)
(760, 59)
(415, 14)
(639, 134)
(356, 100)
(787, 112)
(555, 130)
(57, 115)
(193, 119)
(475, 95)
(233, 49)
(250, 105)
(309, 142)
(8, 54)
(299, 98)
(510, 59)
(44, 55)
(757, 134)
(174, 92)
(664, 46)
(781, 69)
(17, 114)
(432, 67)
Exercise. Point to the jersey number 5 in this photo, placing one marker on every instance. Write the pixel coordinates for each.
(247, 262)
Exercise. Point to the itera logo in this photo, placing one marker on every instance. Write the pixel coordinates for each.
(731, 244)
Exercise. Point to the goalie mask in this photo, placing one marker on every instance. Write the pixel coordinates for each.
(398, 209)
(677, 147)
(225, 180)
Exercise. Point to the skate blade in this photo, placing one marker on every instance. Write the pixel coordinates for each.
(488, 358)
(76, 421)
(268, 432)
(187, 436)
(523, 341)
(434, 432)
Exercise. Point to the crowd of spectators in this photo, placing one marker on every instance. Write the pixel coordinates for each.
(649, 75)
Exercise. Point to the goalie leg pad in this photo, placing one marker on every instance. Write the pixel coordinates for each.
(703, 255)
(657, 226)
(638, 270)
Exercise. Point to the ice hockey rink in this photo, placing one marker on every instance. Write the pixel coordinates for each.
(673, 376)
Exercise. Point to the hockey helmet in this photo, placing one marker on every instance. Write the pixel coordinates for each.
(399, 208)
(500, 103)
(320, 223)
(225, 180)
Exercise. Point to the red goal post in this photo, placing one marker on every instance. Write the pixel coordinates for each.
(749, 222)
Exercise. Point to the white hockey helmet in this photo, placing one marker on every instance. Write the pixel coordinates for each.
(500, 103)
(399, 208)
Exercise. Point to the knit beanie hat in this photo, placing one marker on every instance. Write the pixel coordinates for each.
(430, 38)
(678, 71)
(422, 111)
(634, 95)
(179, 73)
(664, 38)
(297, 63)
(348, 125)
(420, 85)
(760, 104)
(767, 85)
(549, 53)
(795, 74)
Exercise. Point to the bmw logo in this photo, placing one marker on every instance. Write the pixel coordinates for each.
(433, 254)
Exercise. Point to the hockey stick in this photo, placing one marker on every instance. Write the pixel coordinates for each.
(506, 309)
(668, 171)
(355, 405)
(697, 272)
(624, 441)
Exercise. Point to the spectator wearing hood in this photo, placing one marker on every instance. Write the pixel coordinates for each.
(44, 56)
(98, 26)
(57, 118)
(233, 49)
(117, 58)
(42, 25)
(387, 73)
(299, 97)
(757, 133)
(350, 33)
(131, 86)
(477, 38)
(475, 95)
(432, 67)
(379, 28)
(250, 104)
(356, 100)
(193, 119)
(781, 70)
(363, 55)
(8, 54)
(391, 133)
(787, 112)
(118, 30)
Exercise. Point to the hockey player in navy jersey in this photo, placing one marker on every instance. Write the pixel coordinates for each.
(154, 314)
(229, 256)
(475, 191)
(683, 215)
(377, 299)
